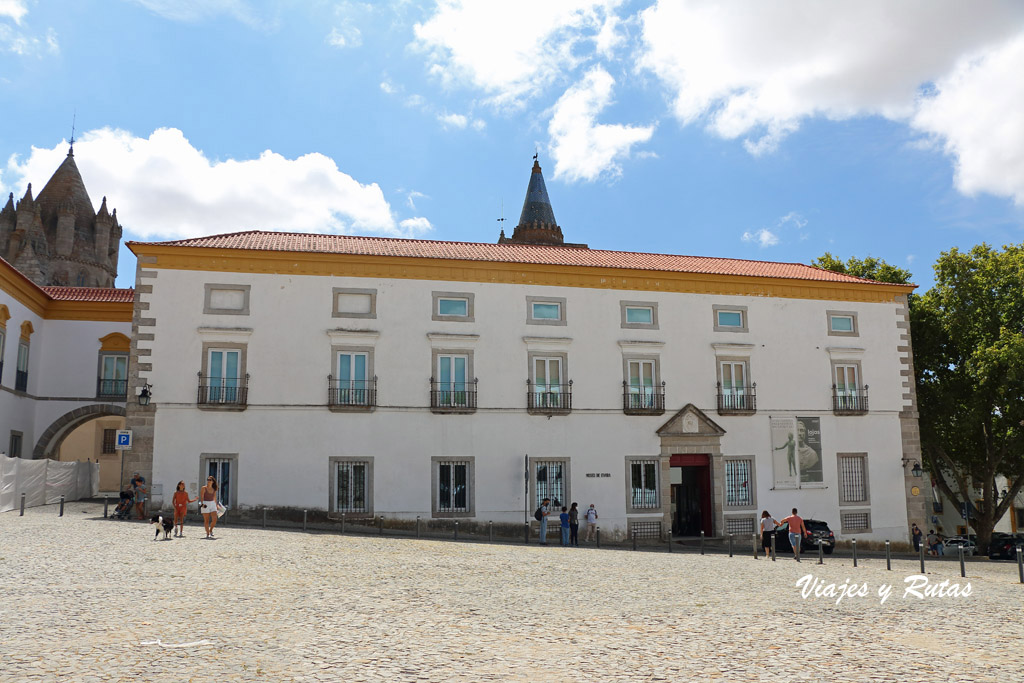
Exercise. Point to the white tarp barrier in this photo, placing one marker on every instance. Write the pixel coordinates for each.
(45, 481)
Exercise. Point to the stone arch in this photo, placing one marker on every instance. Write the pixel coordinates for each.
(49, 443)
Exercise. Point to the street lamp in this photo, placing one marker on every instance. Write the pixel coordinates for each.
(145, 394)
(916, 469)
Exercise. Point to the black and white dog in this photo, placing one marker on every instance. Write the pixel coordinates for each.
(166, 524)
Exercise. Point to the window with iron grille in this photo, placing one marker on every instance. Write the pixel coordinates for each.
(739, 525)
(351, 486)
(453, 486)
(550, 482)
(855, 522)
(643, 482)
(109, 438)
(853, 485)
(739, 486)
(645, 529)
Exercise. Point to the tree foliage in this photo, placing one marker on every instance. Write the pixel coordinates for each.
(870, 268)
(968, 337)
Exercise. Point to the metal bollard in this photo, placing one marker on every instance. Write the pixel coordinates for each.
(670, 542)
(701, 541)
(490, 532)
(380, 525)
(598, 537)
(854, 544)
(106, 502)
(888, 557)
(755, 546)
(303, 520)
(22, 505)
(922, 558)
(730, 545)
(526, 533)
(417, 526)
(773, 547)
(61, 507)
(960, 549)
(821, 556)
(342, 523)
(1020, 563)
(634, 540)
(456, 537)
(265, 518)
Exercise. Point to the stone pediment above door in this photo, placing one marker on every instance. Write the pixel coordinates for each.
(690, 421)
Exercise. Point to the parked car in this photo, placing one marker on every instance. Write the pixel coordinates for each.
(818, 529)
(970, 545)
(1004, 546)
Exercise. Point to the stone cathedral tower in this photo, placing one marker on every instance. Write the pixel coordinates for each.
(57, 238)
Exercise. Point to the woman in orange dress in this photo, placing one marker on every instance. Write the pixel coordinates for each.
(180, 502)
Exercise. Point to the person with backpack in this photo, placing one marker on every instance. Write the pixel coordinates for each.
(591, 517)
(541, 515)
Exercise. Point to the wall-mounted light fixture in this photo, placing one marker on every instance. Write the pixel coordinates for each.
(145, 394)
(916, 469)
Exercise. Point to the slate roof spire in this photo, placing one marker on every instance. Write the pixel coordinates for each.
(537, 221)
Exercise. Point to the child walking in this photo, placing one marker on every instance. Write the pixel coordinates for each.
(180, 502)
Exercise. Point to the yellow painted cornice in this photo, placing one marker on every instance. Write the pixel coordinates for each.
(115, 341)
(25, 292)
(419, 268)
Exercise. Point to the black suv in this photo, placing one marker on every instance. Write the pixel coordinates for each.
(819, 531)
(1004, 546)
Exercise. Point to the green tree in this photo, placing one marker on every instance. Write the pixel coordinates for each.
(968, 337)
(870, 268)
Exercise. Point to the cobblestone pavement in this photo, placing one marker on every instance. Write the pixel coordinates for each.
(90, 599)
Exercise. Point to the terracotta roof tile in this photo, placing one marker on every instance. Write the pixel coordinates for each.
(98, 294)
(260, 240)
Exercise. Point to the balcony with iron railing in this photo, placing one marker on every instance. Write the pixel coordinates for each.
(737, 400)
(112, 389)
(548, 399)
(21, 380)
(345, 395)
(643, 400)
(850, 401)
(223, 393)
(453, 397)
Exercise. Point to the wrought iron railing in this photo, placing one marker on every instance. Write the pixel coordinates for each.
(359, 393)
(453, 397)
(112, 388)
(21, 380)
(850, 401)
(548, 399)
(643, 400)
(223, 391)
(737, 400)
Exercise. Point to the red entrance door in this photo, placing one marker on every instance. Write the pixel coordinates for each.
(691, 498)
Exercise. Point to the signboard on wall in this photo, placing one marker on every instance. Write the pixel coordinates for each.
(796, 451)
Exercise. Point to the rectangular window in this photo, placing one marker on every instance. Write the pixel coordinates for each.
(352, 387)
(846, 380)
(109, 437)
(22, 357)
(855, 522)
(221, 470)
(113, 375)
(3, 338)
(640, 315)
(451, 386)
(354, 303)
(550, 482)
(739, 486)
(641, 383)
(643, 482)
(546, 311)
(458, 307)
(453, 486)
(547, 382)
(741, 526)
(734, 378)
(853, 481)
(730, 319)
(351, 490)
(14, 451)
(223, 381)
(841, 323)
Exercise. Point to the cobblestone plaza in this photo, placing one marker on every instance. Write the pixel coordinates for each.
(90, 599)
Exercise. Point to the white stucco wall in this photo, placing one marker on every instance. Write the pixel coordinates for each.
(285, 437)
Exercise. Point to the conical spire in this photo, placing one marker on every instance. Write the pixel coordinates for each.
(537, 221)
(66, 183)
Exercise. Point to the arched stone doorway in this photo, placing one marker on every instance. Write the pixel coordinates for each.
(48, 445)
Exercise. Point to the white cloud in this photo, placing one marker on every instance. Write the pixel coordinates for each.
(509, 50)
(977, 115)
(164, 187)
(764, 238)
(15, 9)
(412, 196)
(756, 70)
(479, 124)
(387, 87)
(201, 10)
(345, 36)
(453, 120)
(582, 148)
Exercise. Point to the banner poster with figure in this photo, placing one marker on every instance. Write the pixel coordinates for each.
(784, 463)
(808, 450)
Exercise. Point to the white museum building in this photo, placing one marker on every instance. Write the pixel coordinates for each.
(402, 378)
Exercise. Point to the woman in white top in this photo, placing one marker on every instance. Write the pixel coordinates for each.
(768, 525)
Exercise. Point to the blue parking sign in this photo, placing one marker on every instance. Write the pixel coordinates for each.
(124, 440)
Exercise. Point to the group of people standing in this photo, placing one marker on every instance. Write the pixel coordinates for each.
(569, 520)
(797, 532)
(207, 506)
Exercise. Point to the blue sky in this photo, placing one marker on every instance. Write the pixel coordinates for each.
(773, 131)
